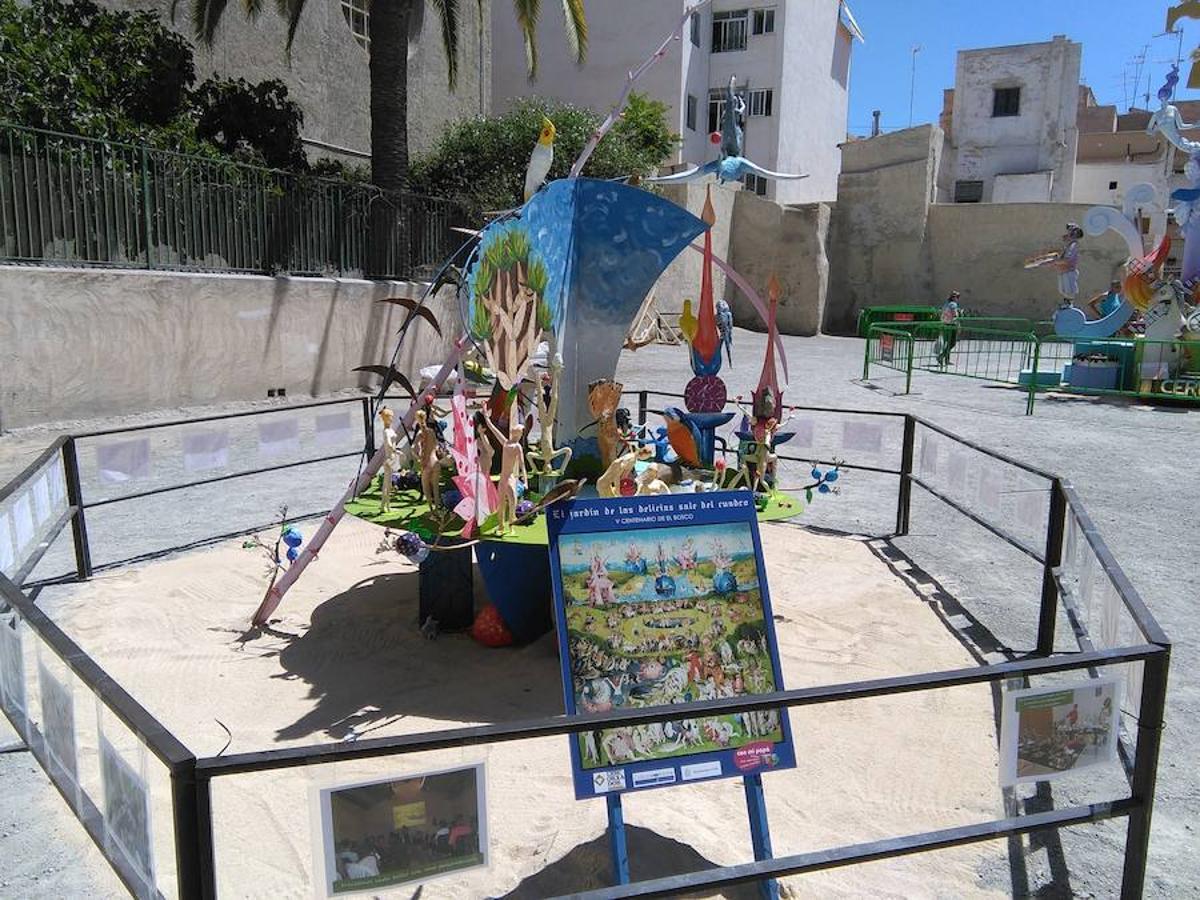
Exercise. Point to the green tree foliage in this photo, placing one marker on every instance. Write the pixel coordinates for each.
(246, 119)
(481, 162)
(70, 66)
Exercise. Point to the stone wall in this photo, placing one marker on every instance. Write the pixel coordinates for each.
(92, 342)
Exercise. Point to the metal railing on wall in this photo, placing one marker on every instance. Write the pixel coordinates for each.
(1062, 540)
(71, 200)
(1034, 362)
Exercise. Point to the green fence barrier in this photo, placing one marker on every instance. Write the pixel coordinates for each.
(70, 200)
(1127, 367)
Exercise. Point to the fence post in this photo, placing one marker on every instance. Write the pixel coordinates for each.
(187, 831)
(207, 883)
(867, 357)
(83, 553)
(147, 220)
(1056, 523)
(912, 349)
(368, 427)
(904, 494)
(642, 407)
(1145, 772)
(1033, 374)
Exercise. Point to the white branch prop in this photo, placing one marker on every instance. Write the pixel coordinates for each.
(615, 112)
(274, 596)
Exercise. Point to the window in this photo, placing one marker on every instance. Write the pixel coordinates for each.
(691, 112)
(968, 191)
(729, 30)
(716, 106)
(695, 29)
(1006, 102)
(756, 183)
(358, 18)
(1112, 185)
(764, 21)
(760, 102)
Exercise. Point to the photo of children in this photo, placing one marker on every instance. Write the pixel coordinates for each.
(664, 616)
(1047, 732)
(402, 831)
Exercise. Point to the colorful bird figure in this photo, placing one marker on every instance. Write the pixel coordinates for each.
(688, 321)
(683, 436)
(540, 160)
(725, 326)
(731, 165)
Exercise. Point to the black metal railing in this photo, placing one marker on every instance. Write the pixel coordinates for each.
(72, 200)
(1068, 534)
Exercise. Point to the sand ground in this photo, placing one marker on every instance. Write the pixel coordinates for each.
(345, 656)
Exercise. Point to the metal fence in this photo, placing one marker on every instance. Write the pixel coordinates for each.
(1035, 362)
(70, 200)
(1053, 534)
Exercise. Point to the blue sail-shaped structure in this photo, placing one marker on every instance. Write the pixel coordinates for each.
(602, 245)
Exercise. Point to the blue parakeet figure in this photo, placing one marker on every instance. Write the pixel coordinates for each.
(725, 326)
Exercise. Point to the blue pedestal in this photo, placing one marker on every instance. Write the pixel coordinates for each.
(517, 577)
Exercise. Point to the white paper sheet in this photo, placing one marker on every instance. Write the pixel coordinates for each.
(41, 500)
(333, 428)
(123, 461)
(802, 431)
(58, 484)
(127, 810)
(956, 470)
(22, 513)
(12, 670)
(279, 437)
(7, 559)
(1031, 510)
(929, 455)
(204, 450)
(866, 437)
(987, 491)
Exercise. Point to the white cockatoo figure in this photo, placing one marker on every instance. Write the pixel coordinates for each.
(540, 160)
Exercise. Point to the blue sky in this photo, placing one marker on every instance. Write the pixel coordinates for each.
(1112, 33)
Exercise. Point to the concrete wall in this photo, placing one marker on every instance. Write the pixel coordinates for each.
(979, 249)
(327, 71)
(1043, 137)
(879, 246)
(88, 342)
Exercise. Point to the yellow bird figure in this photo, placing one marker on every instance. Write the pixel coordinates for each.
(540, 160)
(688, 322)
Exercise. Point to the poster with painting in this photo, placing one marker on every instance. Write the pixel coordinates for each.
(1047, 732)
(12, 673)
(126, 814)
(663, 601)
(379, 834)
(58, 729)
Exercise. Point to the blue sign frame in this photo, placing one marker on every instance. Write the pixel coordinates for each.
(678, 517)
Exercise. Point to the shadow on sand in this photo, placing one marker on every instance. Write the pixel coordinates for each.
(367, 665)
(587, 867)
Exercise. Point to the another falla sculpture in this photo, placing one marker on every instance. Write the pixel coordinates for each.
(693, 433)
(731, 165)
(391, 459)
(428, 447)
(542, 461)
(512, 471)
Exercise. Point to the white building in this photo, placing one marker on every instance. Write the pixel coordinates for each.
(792, 57)
(1010, 124)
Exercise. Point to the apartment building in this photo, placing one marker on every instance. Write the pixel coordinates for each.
(791, 59)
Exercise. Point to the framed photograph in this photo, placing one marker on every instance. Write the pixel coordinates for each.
(12, 674)
(1047, 732)
(126, 814)
(378, 834)
(663, 601)
(58, 728)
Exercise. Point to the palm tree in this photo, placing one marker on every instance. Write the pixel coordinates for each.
(389, 22)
